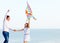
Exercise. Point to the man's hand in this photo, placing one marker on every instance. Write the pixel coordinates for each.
(14, 30)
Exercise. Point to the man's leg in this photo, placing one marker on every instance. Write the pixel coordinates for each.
(6, 36)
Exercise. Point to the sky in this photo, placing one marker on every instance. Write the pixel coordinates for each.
(47, 13)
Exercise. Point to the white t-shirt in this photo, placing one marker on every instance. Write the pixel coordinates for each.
(26, 31)
(6, 26)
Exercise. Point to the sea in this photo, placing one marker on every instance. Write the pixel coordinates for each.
(36, 35)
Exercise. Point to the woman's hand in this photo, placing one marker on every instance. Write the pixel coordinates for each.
(18, 30)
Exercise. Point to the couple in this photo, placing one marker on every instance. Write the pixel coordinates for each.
(6, 28)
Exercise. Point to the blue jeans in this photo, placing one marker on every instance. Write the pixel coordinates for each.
(6, 36)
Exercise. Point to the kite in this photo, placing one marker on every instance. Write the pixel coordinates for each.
(28, 12)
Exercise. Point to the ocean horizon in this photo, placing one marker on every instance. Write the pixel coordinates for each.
(37, 36)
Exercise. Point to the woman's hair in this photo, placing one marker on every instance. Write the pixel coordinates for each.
(7, 16)
(27, 25)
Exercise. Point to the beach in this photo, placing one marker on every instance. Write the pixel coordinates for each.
(37, 36)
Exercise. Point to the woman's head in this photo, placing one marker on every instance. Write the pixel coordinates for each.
(8, 18)
(27, 25)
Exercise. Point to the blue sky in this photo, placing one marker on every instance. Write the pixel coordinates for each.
(47, 13)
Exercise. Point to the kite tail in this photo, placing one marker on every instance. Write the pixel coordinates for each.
(33, 17)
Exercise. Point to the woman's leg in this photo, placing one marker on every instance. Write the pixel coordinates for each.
(6, 36)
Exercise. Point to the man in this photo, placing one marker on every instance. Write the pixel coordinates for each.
(6, 28)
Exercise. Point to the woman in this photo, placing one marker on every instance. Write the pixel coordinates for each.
(26, 30)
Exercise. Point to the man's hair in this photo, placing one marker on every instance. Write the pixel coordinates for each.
(7, 16)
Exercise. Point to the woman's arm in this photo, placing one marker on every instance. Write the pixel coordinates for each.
(20, 30)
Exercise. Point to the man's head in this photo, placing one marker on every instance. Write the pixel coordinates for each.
(8, 18)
